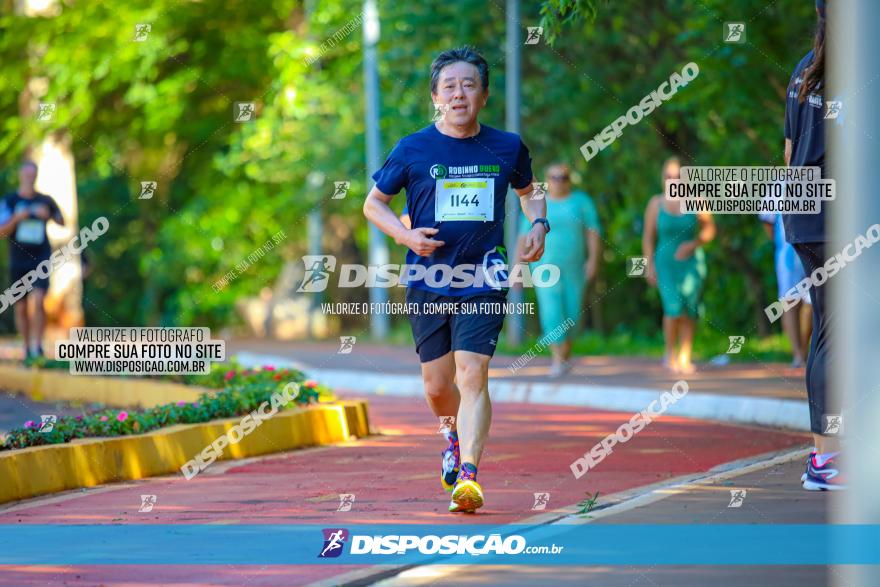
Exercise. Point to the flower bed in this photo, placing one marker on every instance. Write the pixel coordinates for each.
(241, 391)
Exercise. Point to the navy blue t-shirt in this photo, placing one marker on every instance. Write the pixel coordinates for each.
(28, 244)
(804, 126)
(469, 214)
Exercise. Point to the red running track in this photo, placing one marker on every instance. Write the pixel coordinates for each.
(394, 478)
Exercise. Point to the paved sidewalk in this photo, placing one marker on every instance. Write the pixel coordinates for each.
(529, 451)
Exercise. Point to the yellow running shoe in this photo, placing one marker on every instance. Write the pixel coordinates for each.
(466, 497)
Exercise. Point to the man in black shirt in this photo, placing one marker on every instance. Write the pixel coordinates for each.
(23, 218)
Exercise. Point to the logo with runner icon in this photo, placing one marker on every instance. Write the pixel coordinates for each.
(541, 501)
(47, 422)
(147, 503)
(334, 541)
(318, 269)
(495, 268)
(438, 170)
(346, 500)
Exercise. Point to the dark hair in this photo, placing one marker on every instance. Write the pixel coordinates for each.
(465, 54)
(814, 75)
(28, 163)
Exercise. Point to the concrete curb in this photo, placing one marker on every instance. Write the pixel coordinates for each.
(737, 409)
(40, 470)
(56, 385)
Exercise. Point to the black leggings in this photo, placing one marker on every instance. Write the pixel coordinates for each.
(812, 255)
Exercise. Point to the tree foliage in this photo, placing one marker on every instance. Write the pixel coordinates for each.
(162, 110)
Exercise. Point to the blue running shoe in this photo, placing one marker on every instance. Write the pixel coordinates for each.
(807, 465)
(824, 478)
(451, 464)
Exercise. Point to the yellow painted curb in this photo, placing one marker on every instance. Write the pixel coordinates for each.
(119, 392)
(88, 462)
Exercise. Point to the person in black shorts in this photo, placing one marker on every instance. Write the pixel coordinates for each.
(23, 218)
(456, 173)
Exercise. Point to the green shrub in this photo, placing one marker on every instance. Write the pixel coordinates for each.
(243, 391)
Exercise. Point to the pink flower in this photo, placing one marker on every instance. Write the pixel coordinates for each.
(29, 424)
(180, 404)
(122, 416)
(311, 384)
(268, 368)
(229, 375)
(103, 418)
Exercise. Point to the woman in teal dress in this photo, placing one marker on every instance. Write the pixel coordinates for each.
(672, 243)
(574, 245)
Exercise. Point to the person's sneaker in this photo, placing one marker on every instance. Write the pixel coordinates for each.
(559, 369)
(451, 464)
(807, 465)
(824, 478)
(467, 495)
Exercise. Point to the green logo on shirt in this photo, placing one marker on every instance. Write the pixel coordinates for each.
(438, 171)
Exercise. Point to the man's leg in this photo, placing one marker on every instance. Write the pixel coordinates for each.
(475, 411)
(38, 322)
(443, 398)
(474, 338)
(22, 323)
(440, 390)
(432, 335)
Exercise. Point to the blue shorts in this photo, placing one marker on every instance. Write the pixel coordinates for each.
(441, 324)
(789, 270)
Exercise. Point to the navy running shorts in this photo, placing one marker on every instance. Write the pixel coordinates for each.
(17, 273)
(441, 324)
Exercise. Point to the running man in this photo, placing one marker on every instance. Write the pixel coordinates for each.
(23, 218)
(455, 348)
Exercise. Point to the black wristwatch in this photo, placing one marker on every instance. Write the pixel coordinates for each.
(544, 222)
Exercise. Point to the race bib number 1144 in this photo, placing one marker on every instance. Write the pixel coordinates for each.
(465, 199)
